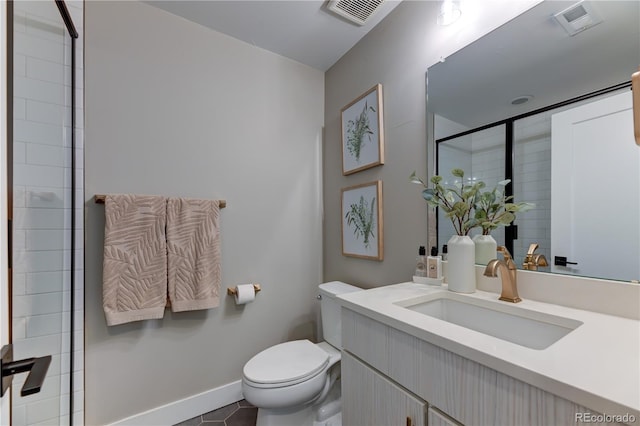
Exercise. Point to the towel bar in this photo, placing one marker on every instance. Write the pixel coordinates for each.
(231, 291)
(99, 199)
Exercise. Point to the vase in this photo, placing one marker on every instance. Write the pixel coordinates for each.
(461, 275)
(486, 248)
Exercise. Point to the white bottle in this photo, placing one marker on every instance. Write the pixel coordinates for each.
(434, 265)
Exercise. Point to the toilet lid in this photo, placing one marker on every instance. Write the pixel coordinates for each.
(286, 362)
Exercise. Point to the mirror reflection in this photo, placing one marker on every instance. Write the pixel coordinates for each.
(552, 112)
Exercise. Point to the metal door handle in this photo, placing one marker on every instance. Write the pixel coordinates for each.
(37, 368)
(562, 261)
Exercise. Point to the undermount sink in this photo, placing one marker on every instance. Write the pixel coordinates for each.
(535, 330)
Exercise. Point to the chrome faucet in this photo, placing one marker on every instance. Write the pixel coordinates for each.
(532, 260)
(507, 273)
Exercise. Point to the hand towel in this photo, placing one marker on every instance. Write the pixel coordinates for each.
(135, 258)
(193, 253)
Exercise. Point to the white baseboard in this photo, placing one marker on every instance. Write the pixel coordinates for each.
(187, 408)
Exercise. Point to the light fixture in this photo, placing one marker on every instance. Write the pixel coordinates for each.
(449, 12)
(523, 99)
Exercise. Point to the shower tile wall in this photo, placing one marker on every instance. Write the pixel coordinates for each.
(42, 214)
(532, 183)
(451, 155)
(481, 155)
(487, 165)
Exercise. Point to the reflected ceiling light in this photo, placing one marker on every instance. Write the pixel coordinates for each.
(449, 12)
(521, 100)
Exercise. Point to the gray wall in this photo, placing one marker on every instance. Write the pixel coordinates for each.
(173, 108)
(396, 53)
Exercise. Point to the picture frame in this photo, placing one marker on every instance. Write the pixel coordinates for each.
(362, 221)
(362, 132)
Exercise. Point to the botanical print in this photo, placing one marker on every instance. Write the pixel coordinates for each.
(362, 221)
(362, 135)
(357, 129)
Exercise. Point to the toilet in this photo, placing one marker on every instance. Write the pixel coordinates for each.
(297, 383)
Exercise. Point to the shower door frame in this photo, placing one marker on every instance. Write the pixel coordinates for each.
(73, 34)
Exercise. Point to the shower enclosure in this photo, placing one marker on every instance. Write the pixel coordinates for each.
(45, 207)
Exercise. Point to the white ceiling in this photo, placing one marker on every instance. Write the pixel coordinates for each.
(302, 30)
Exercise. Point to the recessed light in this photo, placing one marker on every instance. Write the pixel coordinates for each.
(521, 100)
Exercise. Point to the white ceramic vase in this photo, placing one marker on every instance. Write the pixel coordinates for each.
(461, 271)
(486, 248)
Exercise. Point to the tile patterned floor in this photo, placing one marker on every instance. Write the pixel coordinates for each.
(239, 413)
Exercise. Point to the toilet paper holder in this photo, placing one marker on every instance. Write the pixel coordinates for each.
(231, 291)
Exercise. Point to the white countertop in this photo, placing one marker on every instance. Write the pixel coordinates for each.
(597, 365)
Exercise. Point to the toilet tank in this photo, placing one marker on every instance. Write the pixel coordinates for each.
(330, 311)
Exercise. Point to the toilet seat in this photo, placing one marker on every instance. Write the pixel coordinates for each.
(285, 364)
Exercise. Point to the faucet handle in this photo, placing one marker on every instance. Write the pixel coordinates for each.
(532, 260)
(540, 260)
(532, 248)
(505, 253)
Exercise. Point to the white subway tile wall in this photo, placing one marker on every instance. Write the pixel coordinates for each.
(42, 210)
(454, 154)
(481, 155)
(487, 165)
(532, 183)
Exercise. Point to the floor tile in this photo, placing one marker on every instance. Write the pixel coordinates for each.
(221, 413)
(191, 422)
(239, 413)
(243, 417)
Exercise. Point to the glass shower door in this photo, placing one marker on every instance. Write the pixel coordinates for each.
(41, 206)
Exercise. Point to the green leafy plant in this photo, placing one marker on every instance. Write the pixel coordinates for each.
(360, 215)
(457, 201)
(494, 208)
(468, 206)
(357, 130)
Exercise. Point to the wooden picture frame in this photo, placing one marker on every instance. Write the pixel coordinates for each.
(362, 222)
(362, 132)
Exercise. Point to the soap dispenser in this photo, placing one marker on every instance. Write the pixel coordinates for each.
(434, 265)
(428, 268)
(421, 263)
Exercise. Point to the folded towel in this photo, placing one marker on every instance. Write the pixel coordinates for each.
(135, 258)
(193, 252)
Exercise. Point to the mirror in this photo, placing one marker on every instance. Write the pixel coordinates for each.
(493, 104)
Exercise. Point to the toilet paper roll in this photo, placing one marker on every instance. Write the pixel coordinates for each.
(245, 293)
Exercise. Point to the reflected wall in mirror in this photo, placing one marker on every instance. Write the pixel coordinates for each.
(492, 107)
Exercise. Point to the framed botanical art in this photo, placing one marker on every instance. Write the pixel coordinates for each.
(362, 221)
(362, 132)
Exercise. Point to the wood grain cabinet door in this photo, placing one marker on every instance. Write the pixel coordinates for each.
(370, 399)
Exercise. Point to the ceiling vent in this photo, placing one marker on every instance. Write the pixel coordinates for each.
(357, 11)
(578, 17)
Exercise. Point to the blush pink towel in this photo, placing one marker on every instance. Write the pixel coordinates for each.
(135, 258)
(193, 253)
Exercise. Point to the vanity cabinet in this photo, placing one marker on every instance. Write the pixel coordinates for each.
(372, 399)
(384, 368)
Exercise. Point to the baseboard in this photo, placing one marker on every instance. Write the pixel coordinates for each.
(187, 408)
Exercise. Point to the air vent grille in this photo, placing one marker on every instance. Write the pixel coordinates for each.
(578, 17)
(358, 11)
